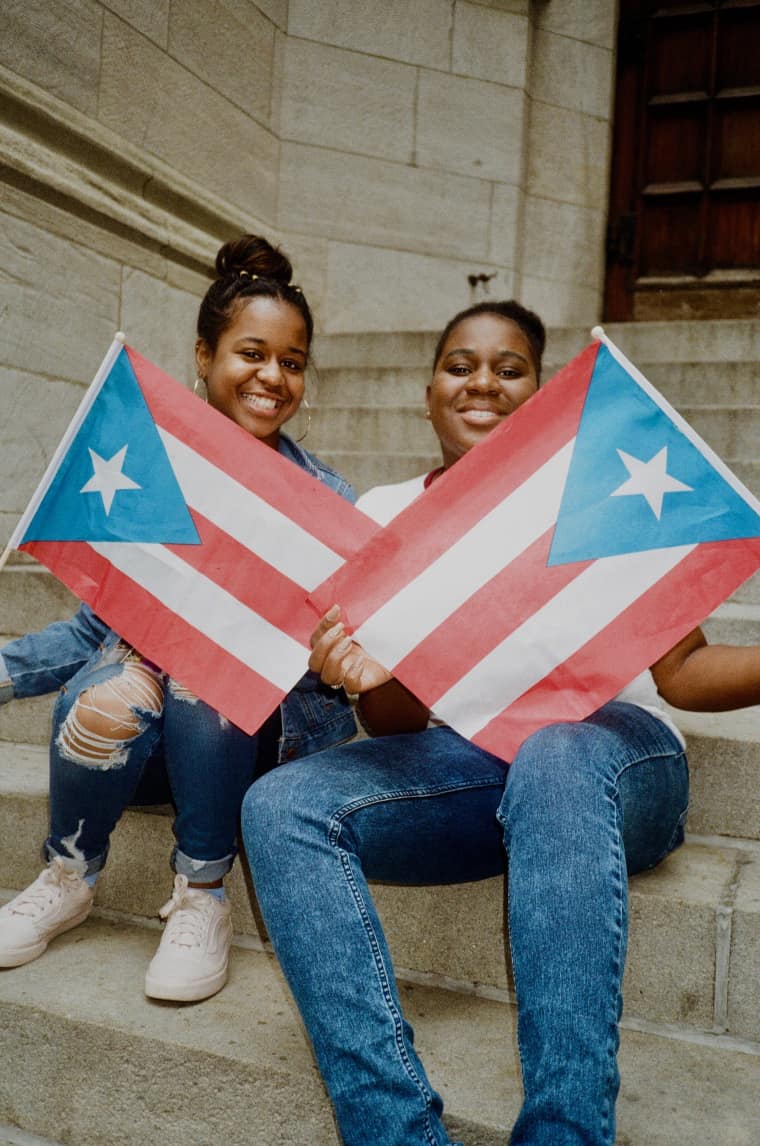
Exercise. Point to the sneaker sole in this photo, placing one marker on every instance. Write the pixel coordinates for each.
(22, 955)
(185, 992)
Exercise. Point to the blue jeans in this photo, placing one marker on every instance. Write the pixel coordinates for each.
(209, 764)
(580, 804)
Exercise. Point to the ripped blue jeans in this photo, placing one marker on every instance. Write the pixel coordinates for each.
(209, 763)
(165, 733)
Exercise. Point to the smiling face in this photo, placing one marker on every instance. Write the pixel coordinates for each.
(485, 370)
(256, 373)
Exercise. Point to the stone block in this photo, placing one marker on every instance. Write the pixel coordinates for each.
(33, 598)
(506, 239)
(590, 20)
(490, 44)
(563, 241)
(151, 17)
(56, 220)
(568, 156)
(276, 11)
(36, 411)
(159, 321)
(27, 722)
(59, 304)
(369, 288)
(345, 100)
(175, 116)
(670, 970)
(55, 44)
(214, 42)
(572, 74)
(562, 304)
(356, 199)
(724, 766)
(383, 430)
(416, 33)
(464, 933)
(743, 1018)
(470, 127)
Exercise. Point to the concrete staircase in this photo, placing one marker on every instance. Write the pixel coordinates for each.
(86, 1059)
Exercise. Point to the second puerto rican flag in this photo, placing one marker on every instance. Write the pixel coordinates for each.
(562, 556)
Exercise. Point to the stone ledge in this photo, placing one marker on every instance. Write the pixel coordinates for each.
(64, 154)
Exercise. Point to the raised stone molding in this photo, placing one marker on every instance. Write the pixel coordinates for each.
(65, 157)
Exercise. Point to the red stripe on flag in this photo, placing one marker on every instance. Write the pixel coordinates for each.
(250, 579)
(232, 688)
(609, 660)
(457, 500)
(483, 621)
(316, 508)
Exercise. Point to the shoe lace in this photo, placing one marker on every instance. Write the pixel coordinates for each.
(45, 889)
(185, 914)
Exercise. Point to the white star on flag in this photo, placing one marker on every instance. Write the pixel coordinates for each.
(107, 477)
(649, 479)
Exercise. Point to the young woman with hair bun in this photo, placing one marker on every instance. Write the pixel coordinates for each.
(117, 715)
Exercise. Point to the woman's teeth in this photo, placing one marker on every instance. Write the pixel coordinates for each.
(259, 402)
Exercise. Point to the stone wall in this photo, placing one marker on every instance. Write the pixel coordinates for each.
(394, 148)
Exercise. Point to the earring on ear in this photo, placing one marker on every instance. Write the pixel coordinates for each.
(200, 382)
(427, 412)
(307, 408)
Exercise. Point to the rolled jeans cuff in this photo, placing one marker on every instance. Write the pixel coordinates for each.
(6, 684)
(78, 864)
(201, 871)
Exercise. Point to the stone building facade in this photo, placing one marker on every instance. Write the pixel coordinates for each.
(397, 150)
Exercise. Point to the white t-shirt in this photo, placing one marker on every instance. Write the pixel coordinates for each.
(385, 501)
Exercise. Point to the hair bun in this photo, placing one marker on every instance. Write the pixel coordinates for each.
(254, 255)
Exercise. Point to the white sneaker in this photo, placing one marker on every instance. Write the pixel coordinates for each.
(192, 957)
(58, 899)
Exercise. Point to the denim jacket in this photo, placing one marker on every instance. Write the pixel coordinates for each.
(313, 715)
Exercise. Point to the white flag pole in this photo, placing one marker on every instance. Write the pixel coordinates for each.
(81, 413)
(707, 452)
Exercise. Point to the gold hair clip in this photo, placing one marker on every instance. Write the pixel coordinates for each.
(247, 275)
(297, 289)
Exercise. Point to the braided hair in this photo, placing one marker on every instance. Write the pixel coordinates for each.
(245, 268)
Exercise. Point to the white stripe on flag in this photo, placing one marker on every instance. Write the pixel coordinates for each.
(489, 546)
(210, 609)
(545, 640)
(247, 518)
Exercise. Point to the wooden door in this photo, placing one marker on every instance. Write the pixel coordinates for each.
(684, 226)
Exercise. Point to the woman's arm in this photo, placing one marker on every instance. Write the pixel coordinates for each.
(708, 678)
(385, 706)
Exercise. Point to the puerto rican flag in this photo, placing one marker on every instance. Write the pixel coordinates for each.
(191, 539)
(558, 559)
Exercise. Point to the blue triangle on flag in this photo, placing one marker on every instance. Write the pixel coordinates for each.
(637, 481)
(115, 481)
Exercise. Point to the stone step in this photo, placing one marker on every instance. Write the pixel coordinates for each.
(696, 918)
(236, 1069)
(732, 433)
(711, 341)
(683, 384)
(368, 468)
(734, 623)
(396, 429)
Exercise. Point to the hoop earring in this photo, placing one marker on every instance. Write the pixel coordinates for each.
(200, 382)
(307, 408)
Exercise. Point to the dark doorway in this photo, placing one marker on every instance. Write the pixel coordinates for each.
(684, 229)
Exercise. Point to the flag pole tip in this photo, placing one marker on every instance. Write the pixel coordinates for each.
(597, 332)
(120, 336)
